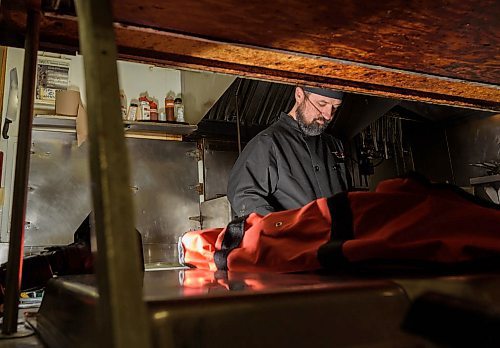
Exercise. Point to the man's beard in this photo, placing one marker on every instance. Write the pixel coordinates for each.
(314, 128)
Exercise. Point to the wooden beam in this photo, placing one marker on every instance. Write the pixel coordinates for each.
(290, 67)
(453, 38)
(160, 47)
(297, 65)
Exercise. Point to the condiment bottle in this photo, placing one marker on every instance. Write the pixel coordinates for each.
(132, 112)
(153, 110)
(169, 107)
(162, 117)
(179, 110)
(146, 114)
(144, 106)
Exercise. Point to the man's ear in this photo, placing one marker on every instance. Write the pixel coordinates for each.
(299, 94)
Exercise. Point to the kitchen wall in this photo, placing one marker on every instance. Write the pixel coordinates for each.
(444, 151)
(472, 141)
(134, 79)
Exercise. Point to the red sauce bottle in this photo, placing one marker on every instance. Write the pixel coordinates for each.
(169, 107)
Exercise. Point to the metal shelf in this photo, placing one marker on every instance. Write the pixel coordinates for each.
(133, 129)
(485, 179)
(55, 122)
(164, 127)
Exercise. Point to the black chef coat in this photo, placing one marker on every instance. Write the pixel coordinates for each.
(281, 168)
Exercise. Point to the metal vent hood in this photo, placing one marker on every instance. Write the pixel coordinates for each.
(259, 104)
(200, 91)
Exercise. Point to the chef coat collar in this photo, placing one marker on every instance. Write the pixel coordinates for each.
(289, 120)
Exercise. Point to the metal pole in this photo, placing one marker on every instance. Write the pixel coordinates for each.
(236, 106)
(122, 315)
(16, 238)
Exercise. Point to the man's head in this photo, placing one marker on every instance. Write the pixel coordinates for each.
(314, 108)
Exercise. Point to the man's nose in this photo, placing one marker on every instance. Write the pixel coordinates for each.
(327, 112)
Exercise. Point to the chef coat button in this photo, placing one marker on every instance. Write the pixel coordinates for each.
(316, 168)
(334, 168)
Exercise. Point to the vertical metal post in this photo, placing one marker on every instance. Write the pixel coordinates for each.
(3, 64)
(122, 313)
(237, 107)
(16, 238)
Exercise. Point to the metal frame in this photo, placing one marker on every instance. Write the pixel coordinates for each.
(122, 312)
(3, 62)
(16, 238)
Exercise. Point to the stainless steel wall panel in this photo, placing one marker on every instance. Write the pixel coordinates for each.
(59, 188)
(219, 158)
(216, 213)
(163, 177)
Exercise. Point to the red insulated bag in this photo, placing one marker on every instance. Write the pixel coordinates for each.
(404, 220)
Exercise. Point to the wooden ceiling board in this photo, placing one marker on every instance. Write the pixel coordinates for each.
(453, 38)
(444, 52)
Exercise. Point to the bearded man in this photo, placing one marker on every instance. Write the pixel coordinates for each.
(293, 161)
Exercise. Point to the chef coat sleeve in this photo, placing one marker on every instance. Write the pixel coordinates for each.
(254, 177)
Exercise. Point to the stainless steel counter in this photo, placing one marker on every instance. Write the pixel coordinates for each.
(194, 308)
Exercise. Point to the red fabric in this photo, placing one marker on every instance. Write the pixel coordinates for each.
(199, 248)
(283, 241)
(403, 219)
